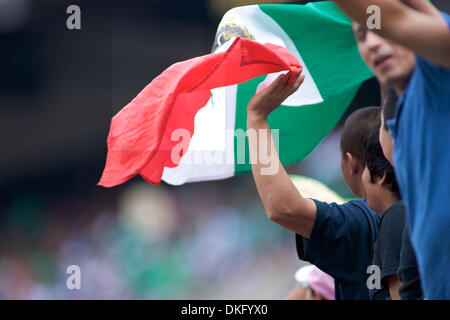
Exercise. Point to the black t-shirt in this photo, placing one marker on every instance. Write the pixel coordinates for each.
(341, 244)
(387, 247)
(408, 272)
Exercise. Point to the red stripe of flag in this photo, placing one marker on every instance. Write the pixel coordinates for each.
(139, 140)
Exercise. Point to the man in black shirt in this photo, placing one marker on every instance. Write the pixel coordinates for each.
(387, 251)
(408, 272)
(383, 196)
(337, 238)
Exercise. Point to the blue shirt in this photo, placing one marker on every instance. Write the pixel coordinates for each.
(341, 244)
(421, 132)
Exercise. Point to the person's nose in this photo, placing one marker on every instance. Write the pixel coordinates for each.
(373, 41)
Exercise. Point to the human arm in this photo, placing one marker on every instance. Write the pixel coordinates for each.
(414, 24)
(283, 203)
(394, 285)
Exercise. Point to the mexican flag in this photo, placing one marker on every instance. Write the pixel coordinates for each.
(268, 39)
(320, 37)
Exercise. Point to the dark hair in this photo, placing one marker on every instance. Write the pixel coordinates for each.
(377, 164)
(356, 129)
(389, 105)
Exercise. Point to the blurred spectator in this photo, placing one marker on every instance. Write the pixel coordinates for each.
(313, 284)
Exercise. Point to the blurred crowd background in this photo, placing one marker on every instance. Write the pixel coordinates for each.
(58, 92)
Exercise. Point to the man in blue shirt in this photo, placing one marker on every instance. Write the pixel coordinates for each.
(411, 53)
(336, 238)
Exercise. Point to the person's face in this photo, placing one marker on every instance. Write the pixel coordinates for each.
(386, 141)
(373, 190)
(392, 64)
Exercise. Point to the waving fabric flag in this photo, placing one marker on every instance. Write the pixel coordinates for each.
(321, 38)
(208, 98)
(141, 138)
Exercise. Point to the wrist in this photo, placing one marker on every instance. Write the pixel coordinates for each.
(256, 121)
(255, 117)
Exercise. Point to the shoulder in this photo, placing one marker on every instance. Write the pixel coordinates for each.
(354, 206)
(428, 67)
(363, 207)
(393, 221)
(362, 204)
(395, 213)
(354, 214)
(425, 63)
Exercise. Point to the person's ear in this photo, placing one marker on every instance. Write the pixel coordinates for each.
(382, 181)
(353, 163)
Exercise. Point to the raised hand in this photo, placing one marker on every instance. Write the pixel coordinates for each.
(271, 97)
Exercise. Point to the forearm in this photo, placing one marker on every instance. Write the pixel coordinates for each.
(356, 10)
(394, 284)
(417, 25)
(284, 204)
